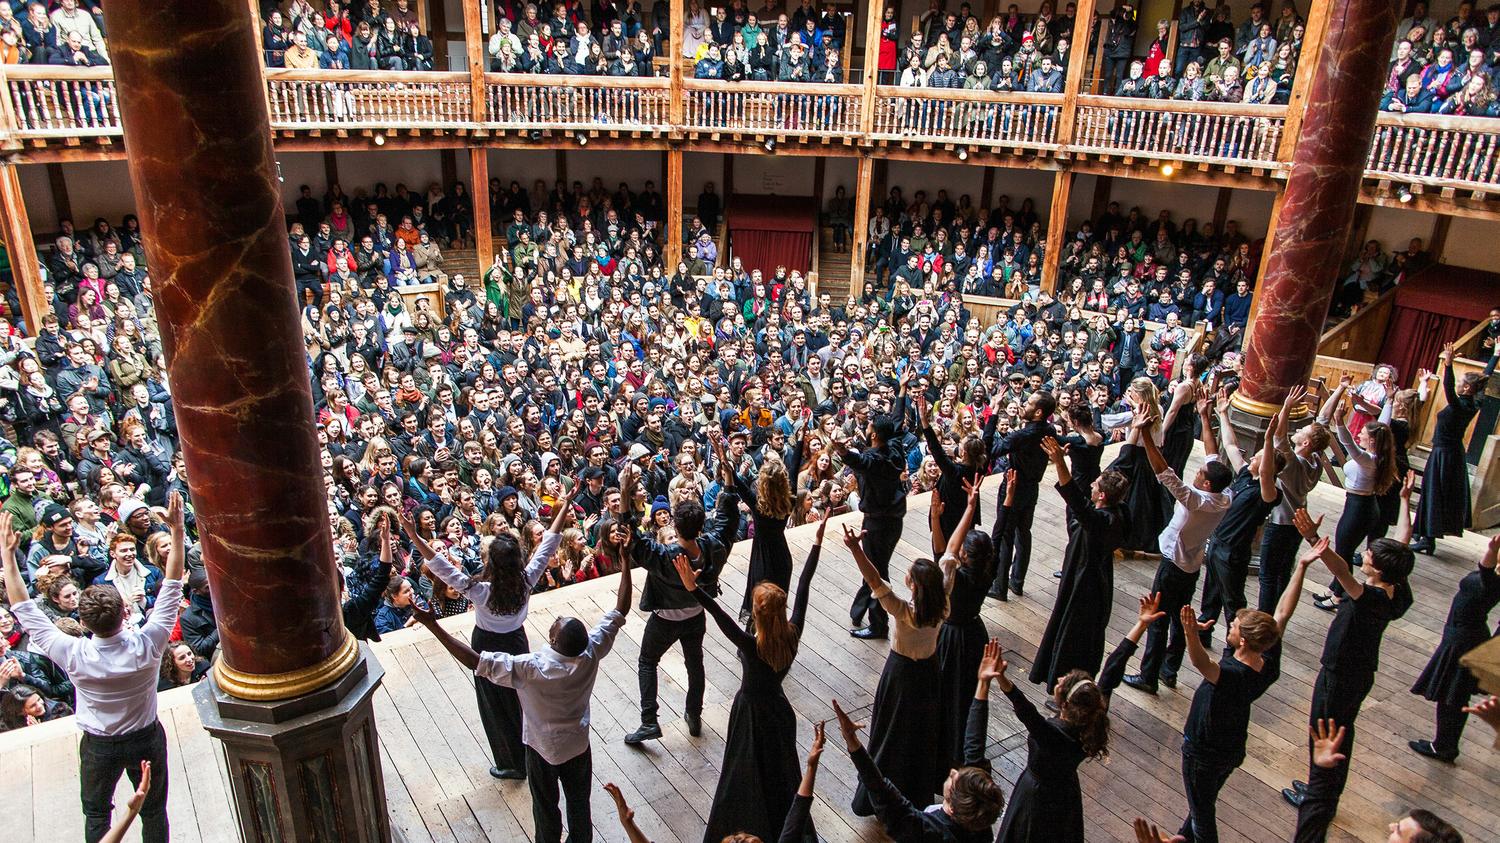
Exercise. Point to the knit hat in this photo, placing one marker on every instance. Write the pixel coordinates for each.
(129, 506)
(638, 452)
(660, 505)
(53, 514)
(507, 492)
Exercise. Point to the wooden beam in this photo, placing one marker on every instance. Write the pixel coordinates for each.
(479, 175)
(331, 169)
(726, 185)
(987, 188)
(819, 175)
(474, 51)
(875, 14)
(1439, 238)
(864, 184)
(1103, 186)
(1358, 229)
(15, 227)
(447, 167)
(1098, 53)
(1311, 58)
(877, 188)
(1073, 81)
(1057, 227)
(560, 166)
(1221, 209)
(677, 10)
(674, 207)
(437, 30)
(60, 201)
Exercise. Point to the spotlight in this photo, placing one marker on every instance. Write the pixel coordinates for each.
(1168, 169)
(1403, 193)
(583, 140)
(770, 144)
(963, 153)
(535, 134)
(380, 140)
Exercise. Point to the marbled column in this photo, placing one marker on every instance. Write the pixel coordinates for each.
(206, 185)
(1318, 204)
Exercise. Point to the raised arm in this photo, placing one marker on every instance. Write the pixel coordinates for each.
(1292, 594)
(15, 585)
(1448, 390)
(809, 568)
(976, 731)
(1197, 653)
(1268, 490)
(956, 541)
(1335, 563)
(465, 654)
(1403, 514)
(1206, 428)
(742, 640)
(177, 555)
(623, 594)
(794, 830)
(632, 831)
(1227, 447)
(866, 567)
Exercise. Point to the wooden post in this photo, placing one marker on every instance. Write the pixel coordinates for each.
(846, 52)
(437, 30)
(15, 227)
(60, 202)
(1312, 49)
(447, 166)
(1103, 187)
(474, 49)
(1099, 52)
(876, 12)
(1057, 226)
(674, 207)
(864, 183)
(1077, 54)
(987, 188)
(819, 176)
(331, 170)
(675, 112)
(1221, 209)
(560, 166)
(479, 175)
(1439, 238)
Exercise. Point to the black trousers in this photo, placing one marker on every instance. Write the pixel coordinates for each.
(1224, 586)
(1339, 696)
(1360, 523)
(882, 533)
(1165, 643)
(1015, 542)
(1450, 727)
(576, 775)
(101, 760)
(1279, 544)
(315, 285)
(660, 635)
(499, 707)
(1203, 776)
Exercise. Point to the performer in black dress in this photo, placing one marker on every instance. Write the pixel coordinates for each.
(1351, 656)
(1179, 419)
(1084, 444)
(962, 635)
(771, 504)
(1047, 803)
(1145, 500)
(759, 773)
(906, 712)
(1444, 510)
(1074, 639)
(972, 463)
(1445, 681)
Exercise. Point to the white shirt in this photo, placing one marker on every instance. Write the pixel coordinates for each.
(115, 677)
(554, 690)
(478, 591)
(1194, 519)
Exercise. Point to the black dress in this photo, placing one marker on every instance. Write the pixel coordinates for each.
(960, 648)
(1390, 501)
(1444, 508)
(950, 485)
(1444, 680)
(760, 773)
(1083, 459)
(1047, 803)
(1146, 500)
(1075, 632)
(1177, 441)
(770, 558)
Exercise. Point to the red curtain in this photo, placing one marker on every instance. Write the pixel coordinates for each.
(766, 250)
(1415, 337)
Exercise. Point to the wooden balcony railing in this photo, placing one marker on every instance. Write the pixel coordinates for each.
(517, 100)
(806, 110)
(61, 102)
(367, 99)
(1215, 132)
(977, 117)
(1438, 150)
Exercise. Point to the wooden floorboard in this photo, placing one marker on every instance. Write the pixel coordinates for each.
(435, 758)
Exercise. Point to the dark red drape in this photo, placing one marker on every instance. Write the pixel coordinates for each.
(770, 231)
(1415, 337)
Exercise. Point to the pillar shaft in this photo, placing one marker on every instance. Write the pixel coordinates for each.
(191, 99)
(1317, 208)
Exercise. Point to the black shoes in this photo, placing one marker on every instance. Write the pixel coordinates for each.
(517, 775)
(1015, 588)
(1051, 705)
(1427, 750)
(1141, 683)
(694, 724)
(1327, 604)
(1425, 546)
(1293, 796)
(998, 592)
(1169, 681)
(646, 732)
(866, 633)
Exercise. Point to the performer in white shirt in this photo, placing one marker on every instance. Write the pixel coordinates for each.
(115, 674)
(554, 684)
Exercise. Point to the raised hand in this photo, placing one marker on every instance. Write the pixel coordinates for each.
(1408, 484)
(1294, 397)
(1150, 605)
(1327, 738)
(853, 537)
(921, 412)
(1054, 450)
(1146, 832)
(138, 798)
(1424, 375)
(175, 512)
(1010, 487)
(815, 751)
(422, 613)
(1447, 355)
(972, 487)
(937, 503)
(1313, 553)
(685, 572)
(992, 663)
(1346, 380)
(1306, 525)
(1269, 438)
(9, 539)
(1189, 620)
(822, 526)
(848, 727)
(621, 806)
(1221, 401)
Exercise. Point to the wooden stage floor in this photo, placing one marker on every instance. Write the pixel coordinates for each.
(439, 788)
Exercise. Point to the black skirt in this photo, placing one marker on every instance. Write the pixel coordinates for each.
(902, 723)
(959, 651)
(500, 707)
(761, 771)
(1444, 507)
(1146, 500)
(1444, 680)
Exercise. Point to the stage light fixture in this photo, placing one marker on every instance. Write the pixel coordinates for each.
(380, 140)
(1168, 169)
(1403, 193)
(535, 134)
(963, 153)
(770, 144)
(583, 139)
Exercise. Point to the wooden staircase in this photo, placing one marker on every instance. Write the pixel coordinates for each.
(833, 266)
(464, 262)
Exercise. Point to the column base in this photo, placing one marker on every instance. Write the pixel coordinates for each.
(307, 768)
